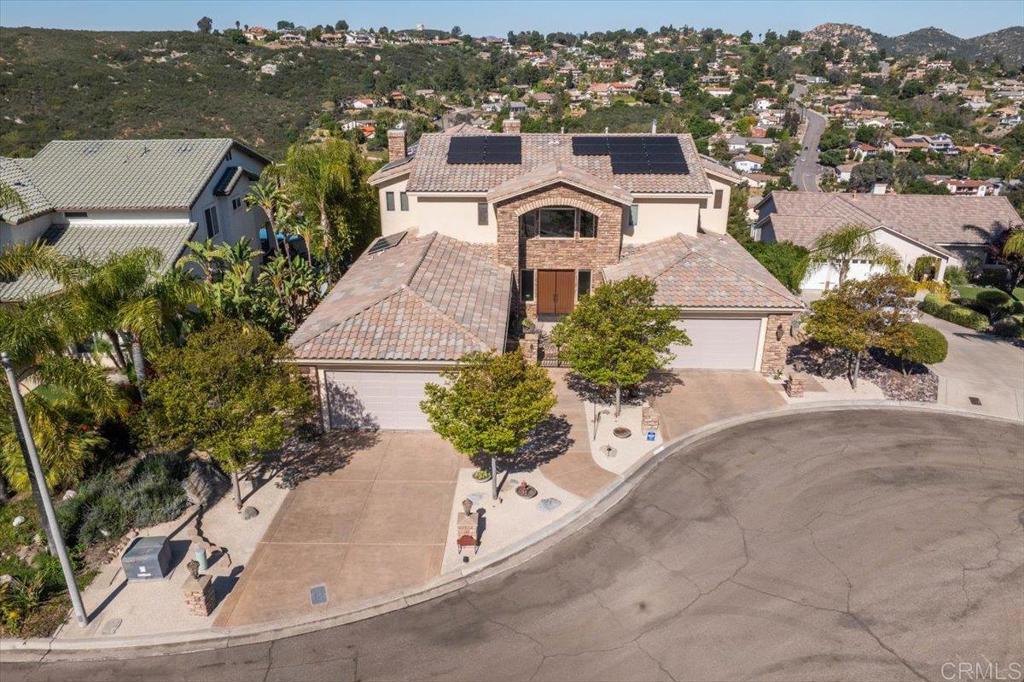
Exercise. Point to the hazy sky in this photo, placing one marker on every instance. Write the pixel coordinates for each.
(484, 17)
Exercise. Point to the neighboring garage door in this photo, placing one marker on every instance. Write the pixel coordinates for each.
(719, 344)
(385, 400)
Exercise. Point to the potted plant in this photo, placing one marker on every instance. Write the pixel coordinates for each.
(482, 475)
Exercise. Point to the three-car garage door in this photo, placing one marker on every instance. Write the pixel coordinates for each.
(384, 400)
(719, 344)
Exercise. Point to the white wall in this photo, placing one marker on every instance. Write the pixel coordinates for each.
(712, 219)
(27, 232)
(661, 218)
(397, 220)
(234, 224)
(457, 218)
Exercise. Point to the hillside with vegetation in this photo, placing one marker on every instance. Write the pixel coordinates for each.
(1006, 44)
(87, 84)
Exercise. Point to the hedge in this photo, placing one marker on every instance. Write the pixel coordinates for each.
(930, 346)
(1011, 327)
(951, 312)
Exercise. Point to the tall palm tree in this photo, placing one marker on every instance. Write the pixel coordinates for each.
(204, 255)
(849, 243)
(319, 178)
(268, 196)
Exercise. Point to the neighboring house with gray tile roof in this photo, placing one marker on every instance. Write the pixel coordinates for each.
(97, 197)
(480, 229)
(953, 229)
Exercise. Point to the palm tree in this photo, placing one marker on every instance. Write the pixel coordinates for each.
(268, 196)
(205, 255)
(849, 243)
(1013, 254)
(320, 179)
(9, 197)
(308, 231)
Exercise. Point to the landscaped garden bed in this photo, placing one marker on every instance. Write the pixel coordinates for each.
(918, 384)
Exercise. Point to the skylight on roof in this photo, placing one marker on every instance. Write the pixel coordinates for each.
(386, 242)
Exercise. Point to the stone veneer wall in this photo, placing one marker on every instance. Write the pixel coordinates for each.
(559, 254)
(776, 349)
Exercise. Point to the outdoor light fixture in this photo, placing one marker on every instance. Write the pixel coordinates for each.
(778, 333)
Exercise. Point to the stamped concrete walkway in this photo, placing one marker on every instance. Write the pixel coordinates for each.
(575, 470)
(375, 525)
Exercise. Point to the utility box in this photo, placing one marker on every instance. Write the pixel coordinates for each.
(147, 558)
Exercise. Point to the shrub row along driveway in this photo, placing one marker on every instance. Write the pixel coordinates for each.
(848, 545)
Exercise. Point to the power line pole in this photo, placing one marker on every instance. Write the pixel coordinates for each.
(44, 493)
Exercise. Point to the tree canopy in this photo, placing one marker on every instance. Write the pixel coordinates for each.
(617, 336)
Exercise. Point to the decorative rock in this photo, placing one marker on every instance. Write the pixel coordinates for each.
(204, 483)
(18, 520)
(68, 495)
(6, 578)
(549, 504)
(250, 513)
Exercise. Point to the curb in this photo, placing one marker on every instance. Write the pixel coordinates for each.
(36, 649)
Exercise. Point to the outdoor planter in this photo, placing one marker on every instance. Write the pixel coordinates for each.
(621, 432)
(526, 490)
(482, 475)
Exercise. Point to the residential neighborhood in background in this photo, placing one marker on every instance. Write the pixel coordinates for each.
(390, 353)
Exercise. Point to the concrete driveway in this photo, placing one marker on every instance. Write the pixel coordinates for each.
(867, 545)
(702, 396)
(985, 367)
(377, 524)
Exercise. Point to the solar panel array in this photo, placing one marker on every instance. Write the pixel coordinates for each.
(655, 154)
(386, 242)
(504, 149)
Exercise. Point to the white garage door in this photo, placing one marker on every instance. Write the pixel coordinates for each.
(384, 400)
(719, 344)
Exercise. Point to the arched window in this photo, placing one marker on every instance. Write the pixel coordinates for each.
(558, 222)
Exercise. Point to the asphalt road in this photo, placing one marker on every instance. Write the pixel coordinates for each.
(805, 168)
(868, 545)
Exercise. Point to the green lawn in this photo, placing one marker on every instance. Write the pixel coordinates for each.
(970, 292)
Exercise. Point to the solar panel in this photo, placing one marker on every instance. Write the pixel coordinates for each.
(475, 149)
(659, 154)
(386, 242)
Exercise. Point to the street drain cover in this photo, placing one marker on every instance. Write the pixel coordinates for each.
(975, 400)
(318, 595)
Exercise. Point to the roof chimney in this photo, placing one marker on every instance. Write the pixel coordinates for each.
(654, 127)
(511, 125)
(396, 144)
(879, 188)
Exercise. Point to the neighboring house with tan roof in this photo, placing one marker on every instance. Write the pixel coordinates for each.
(98, 197)
(481, 228)
(953, 229)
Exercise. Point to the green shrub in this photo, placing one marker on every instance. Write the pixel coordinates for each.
(955, 275)
(150, 493)
(992, 277)
(965, 317)
(998, 304)
(932, 304)
(1010, 327)
(929, 346)
(925, 267)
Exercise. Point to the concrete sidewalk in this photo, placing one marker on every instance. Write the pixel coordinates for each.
(375, 525)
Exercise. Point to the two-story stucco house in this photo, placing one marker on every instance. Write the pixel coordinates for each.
(96, 197)
(480, 229)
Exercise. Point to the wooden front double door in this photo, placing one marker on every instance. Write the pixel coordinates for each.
(556, 292)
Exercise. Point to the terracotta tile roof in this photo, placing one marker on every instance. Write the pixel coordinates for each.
(428, 298)
(559, 171)
(801, 217)
(431, 172)
(704, 271)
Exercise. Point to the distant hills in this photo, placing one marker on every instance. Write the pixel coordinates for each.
(1007, 43)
